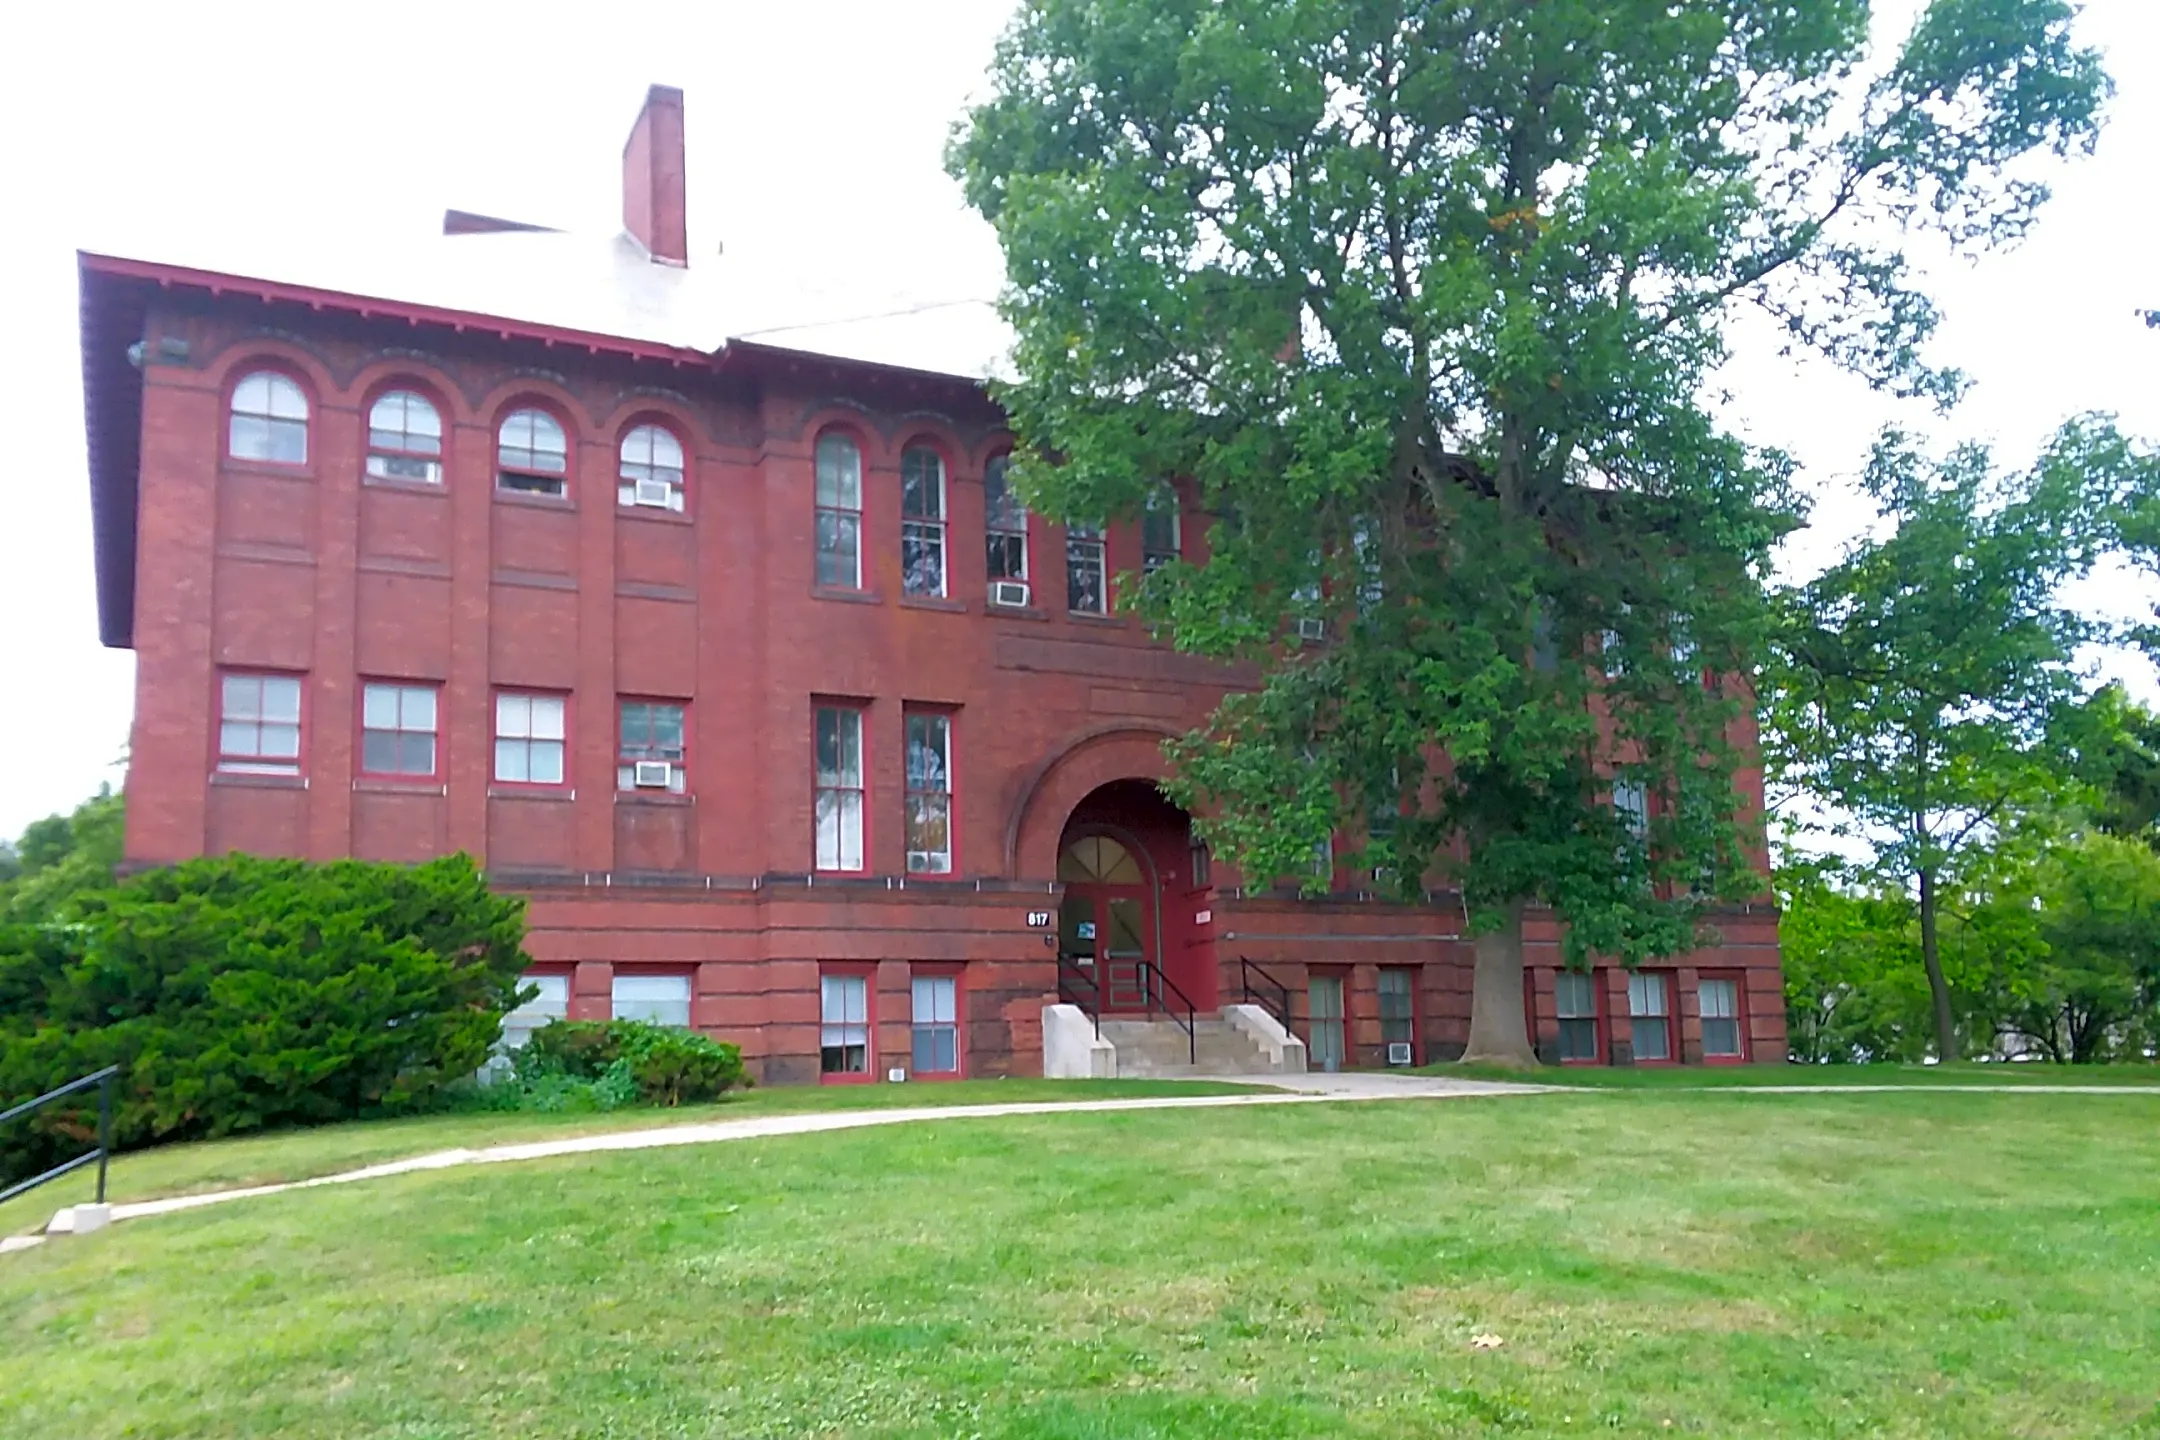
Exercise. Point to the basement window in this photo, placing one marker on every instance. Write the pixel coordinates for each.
(654, 999)
(532, 456)
(1649, 1016)
(1575, 1000)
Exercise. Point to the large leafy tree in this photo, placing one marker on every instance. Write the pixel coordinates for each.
(1424, 300)
(1924, 681)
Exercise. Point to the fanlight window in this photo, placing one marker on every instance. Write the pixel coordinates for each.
(1099, 860)
(269, 420)
(404, 439)
(532, 455)
(650, 469)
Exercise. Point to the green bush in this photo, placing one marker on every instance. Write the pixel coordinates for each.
(662, 1066)
(241, 993)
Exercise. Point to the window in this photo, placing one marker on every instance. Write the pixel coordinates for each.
(269, 420)
(1087, 590)
(529, 739)
(259, 724)
(649, 469)
(937, 1024)
(929, 794)
(1202, 861)
(844, 1024)
(1720, 1004)
(404, 438)
(839, 512)
(1159, 530)
(922, 521)
(1398, 1009)
(1324, 1004)
(655, 999)
(531, 455)
(1612, 650)
(1632, 801)
(1575, 1000)
(552, 1003)
(1005, 523)
(839, 799)
(397, 729)
(649, 747)
(1649, 1016)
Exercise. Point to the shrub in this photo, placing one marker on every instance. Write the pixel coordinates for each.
(662, 1066)
(241, 993)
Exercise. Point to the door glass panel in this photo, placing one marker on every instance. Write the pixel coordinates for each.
(1076, 929)
(1125, 938)
(1325, 997)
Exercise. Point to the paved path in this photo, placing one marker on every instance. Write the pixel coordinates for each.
(1268, 1090)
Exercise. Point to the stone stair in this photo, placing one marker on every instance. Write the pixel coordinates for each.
(1159, 1049)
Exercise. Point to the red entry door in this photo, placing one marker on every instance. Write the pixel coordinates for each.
(1106, 924)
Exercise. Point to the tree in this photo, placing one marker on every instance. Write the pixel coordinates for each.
(64, 856)
(1921, 682)
(1423, 300)
(2088, 994)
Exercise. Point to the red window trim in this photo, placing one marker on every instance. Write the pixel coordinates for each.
(867, 973)
(368, 449)
(1740, 1015)
(274, 365)
(571, 443)
(943, 522)
(861, 709)
(659, 420)
(1670, 980)
(360, 730)
(951, 715)
(218, 757)
(958, 975)
(566, 785)
(620, 758)
(1415, 972)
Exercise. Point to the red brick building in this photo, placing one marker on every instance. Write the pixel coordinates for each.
(735, 658)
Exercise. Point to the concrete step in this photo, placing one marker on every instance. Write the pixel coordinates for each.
(1160, 1049)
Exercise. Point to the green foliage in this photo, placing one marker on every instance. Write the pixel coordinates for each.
(604, 1064)
(240, 993)
(1423, 301)
(62, 857)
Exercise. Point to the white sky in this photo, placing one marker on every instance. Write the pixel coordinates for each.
(816, 134)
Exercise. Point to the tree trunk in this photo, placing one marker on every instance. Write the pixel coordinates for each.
(1946, 1046)
(1498, 1034)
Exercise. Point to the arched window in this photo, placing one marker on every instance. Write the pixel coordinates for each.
(839, 511)
(650, 470)
(922, 521)
(531, 455)
(269, 420)
(404, 438)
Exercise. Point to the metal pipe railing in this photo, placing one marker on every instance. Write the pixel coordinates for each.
(103, 1079)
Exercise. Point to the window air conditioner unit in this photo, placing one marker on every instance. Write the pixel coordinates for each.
(1008, 592)
(657, 493)
(1311, 627)
(653, 775)
(1398, 1052)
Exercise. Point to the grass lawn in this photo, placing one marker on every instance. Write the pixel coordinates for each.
(1656, 1264)
(303, 1154)
(1695, 1077)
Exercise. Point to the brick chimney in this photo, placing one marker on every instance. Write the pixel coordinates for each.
(653, 186)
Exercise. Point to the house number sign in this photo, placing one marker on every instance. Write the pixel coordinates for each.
(1038, 918)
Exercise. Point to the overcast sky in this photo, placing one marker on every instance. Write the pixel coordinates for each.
(815, 138)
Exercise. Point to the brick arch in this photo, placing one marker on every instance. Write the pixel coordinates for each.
(1121, 750)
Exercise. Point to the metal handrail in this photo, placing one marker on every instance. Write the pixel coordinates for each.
(103, 1080)
(1067, 968)
(1151, 993)
(1280, 1009)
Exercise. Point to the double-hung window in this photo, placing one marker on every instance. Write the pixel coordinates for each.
(937, 1024)
(1005, 526)
(844, 1024)
(1087, 586)
(269, 420)
(1160, 533)
(259, 724)
(649, 747)
(1575, 1001)
(550, 1005)
(1719, 1001)
(1649, 1015)
(654, 999)
(529, 736)
(839, 512)
(404, 438)
(1398, 1014)
(397, 730)
(922, 521)
(838, 801)
(532, 455)
(649, 469)
(929, 794)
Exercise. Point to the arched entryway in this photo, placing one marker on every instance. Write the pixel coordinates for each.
(1133, 899)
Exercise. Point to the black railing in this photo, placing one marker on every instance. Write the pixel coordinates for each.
(103, 1079)
(1264, 990)
(1153, 985)
(1077, 985)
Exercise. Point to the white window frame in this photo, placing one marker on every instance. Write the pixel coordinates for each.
(1726, 1012)
(1005, 518)
(840, 794)
(934, 1001)
(844, 1024)
(267, 406)
(839, 511)
(649, 452)
(1645, 988)
(656, 997)
(261, 711)
(929, 800)
(1085, 554)
(923, 511)
(405, 439)
(400, 709)
(532, 724)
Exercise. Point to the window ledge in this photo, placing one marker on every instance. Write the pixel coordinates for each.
(1089, 617)
(652, 513)
(934, 602)
(1016, 612)
(660, 798)
(537, 502)
(852, 597)
(231, 465)
(385, 785)
(246, 780)
(439, 489)
(511, 790)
